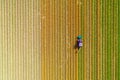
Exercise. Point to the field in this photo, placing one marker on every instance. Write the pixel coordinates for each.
(38, 39)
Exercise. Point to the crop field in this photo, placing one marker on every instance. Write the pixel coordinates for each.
(38, 39)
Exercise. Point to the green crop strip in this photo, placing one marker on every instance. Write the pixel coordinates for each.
(95, 38)
(119, 40)
(108, 40)
(110, 31)
(80, 51)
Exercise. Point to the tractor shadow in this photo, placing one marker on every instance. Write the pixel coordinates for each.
(76, 47)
